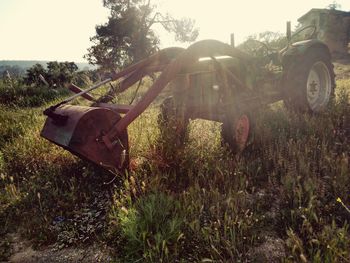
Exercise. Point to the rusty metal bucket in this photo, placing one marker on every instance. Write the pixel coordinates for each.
(79, 129)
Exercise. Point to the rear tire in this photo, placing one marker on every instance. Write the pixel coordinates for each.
(309, 85)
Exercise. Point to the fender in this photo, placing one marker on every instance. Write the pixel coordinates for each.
(293, 52)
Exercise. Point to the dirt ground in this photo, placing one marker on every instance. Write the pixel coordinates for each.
(23, 252)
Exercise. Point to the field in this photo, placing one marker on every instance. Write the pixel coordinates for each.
(286, 198)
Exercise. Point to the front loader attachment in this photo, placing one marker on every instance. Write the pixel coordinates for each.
(98, 133)
(79, 129)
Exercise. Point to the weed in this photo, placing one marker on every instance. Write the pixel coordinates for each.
(150, 229)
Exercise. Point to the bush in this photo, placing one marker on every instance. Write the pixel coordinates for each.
(150, 229)
(28, 96)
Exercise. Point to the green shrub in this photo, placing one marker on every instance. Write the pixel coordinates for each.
(150, 229)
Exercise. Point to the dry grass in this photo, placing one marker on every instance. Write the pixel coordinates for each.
(199, 203)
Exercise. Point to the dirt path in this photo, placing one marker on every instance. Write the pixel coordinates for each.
(22, 252)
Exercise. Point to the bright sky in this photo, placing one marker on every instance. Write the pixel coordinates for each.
(60, 29)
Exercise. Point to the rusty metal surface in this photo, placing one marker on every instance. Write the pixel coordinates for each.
(82, 133)
(80, 129)
(132, 74)
(120, 108)
(76, 89)
(161, 57)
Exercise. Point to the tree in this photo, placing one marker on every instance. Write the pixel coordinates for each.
(33, 73)
(60, 73)
(56, 74)
(334, 6)
(129, 34)
(15, 71)
(263, 43)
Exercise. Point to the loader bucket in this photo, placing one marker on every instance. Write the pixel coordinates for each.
(79, 129)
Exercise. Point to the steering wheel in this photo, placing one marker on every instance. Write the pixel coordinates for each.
(259, 50)
(303, 29)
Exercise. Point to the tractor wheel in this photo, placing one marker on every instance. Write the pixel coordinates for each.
(310, 82)
(173, 123)
(236, 132)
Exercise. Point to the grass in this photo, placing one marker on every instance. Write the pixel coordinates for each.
(197, 203)
(15, 94)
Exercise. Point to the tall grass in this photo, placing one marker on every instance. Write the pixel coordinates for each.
(197, 203)
(15, 94)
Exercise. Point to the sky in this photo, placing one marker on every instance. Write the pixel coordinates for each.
(61, 29)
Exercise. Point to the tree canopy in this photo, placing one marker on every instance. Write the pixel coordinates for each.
(263, 43)
(129, 35)
(56, 74)
(334, 6)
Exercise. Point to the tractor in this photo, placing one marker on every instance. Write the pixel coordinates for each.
(209, 80)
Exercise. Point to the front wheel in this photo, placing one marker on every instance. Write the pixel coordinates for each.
(236, 132)
(310, 83)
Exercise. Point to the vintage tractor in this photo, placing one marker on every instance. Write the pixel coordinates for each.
(209, 80)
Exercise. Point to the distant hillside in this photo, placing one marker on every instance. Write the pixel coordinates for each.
(25, 64)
